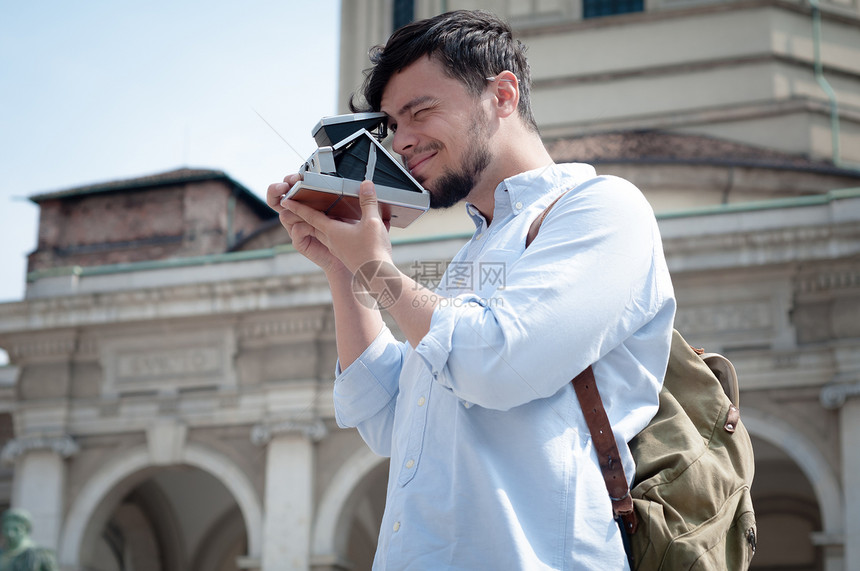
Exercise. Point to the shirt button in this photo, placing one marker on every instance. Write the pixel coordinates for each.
(421, 401)
(410, 463)
(396, 526)
(519, 205)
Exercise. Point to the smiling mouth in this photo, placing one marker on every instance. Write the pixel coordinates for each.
(413, 167)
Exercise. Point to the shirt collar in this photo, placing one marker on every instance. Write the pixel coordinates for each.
(516, 193)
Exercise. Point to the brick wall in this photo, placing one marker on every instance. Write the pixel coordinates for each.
(133, 225)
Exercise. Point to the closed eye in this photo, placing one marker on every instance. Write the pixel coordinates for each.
(420, 112)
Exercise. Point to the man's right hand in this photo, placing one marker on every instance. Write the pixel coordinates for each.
(357, 325)
(302, 234)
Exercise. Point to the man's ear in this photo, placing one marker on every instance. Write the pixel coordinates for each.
(506, 89)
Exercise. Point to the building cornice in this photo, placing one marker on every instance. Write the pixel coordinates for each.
(699, 116)
(525, 28)
(803, 229)
(687, 67)
(808, 228)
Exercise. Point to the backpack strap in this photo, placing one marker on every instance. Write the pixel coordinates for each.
(598, 425)
(607, 450)
(536, 223)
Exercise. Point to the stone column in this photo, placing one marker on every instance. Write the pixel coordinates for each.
(849, 429)
(39, 482)
(846, 397)
(289, 509)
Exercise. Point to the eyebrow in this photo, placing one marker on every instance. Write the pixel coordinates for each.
(415, 102)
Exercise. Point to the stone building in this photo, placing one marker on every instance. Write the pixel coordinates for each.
(167, 404)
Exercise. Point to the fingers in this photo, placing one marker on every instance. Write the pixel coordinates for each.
(298, 229)
(289, 219)
(367, 200)
(322, 225)
(275, 193)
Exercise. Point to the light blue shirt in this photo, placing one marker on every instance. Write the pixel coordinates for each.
(492, 465)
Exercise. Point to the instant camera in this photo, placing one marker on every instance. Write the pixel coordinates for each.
(350, 151)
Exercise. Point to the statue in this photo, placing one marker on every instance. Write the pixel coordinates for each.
(19, 552)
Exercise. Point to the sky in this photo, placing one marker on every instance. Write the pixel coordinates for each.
(98, 90)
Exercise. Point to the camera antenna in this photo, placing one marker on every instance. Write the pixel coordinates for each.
(278, 134)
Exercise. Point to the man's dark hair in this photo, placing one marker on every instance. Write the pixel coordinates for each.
(470, 45)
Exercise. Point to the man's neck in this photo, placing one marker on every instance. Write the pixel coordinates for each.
(510, 160)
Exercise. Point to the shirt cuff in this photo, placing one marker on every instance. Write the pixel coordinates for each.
(370, 383)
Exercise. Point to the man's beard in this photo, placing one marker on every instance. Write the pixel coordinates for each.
(452, 187)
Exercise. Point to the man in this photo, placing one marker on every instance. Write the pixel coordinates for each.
(492, 466)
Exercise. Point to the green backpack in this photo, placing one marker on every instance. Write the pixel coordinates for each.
(694, 469)
(690, 506)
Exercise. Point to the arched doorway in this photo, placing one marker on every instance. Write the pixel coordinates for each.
(173, 518)
(787, 513)
(350, 513)
(797, 496)
(368, 504)
(198, 513)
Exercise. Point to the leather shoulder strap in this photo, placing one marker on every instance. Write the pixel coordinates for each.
(607, 450)
(536, 223)
(598, 424)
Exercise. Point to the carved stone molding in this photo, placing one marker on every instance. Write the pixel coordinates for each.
(172, 361)
(161, 301)
(64, 445)
(831, 279)
(314, 430)
(754, 315)
(305, 325)
(834, 395)
(88, 347)
(49, 346)
(687, 251)
(745, 240)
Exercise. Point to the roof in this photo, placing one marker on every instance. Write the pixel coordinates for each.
(173, 177)
(829, 198)
(661, 147)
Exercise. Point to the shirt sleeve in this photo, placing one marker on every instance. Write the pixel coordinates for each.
(366, 392)
(589, 281)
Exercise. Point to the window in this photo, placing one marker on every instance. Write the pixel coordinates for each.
(598, 8)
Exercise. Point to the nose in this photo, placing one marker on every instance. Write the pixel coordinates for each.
(404, 141)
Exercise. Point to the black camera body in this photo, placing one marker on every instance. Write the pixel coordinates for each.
(351, 151)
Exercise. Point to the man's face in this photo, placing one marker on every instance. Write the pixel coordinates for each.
(440, 129)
